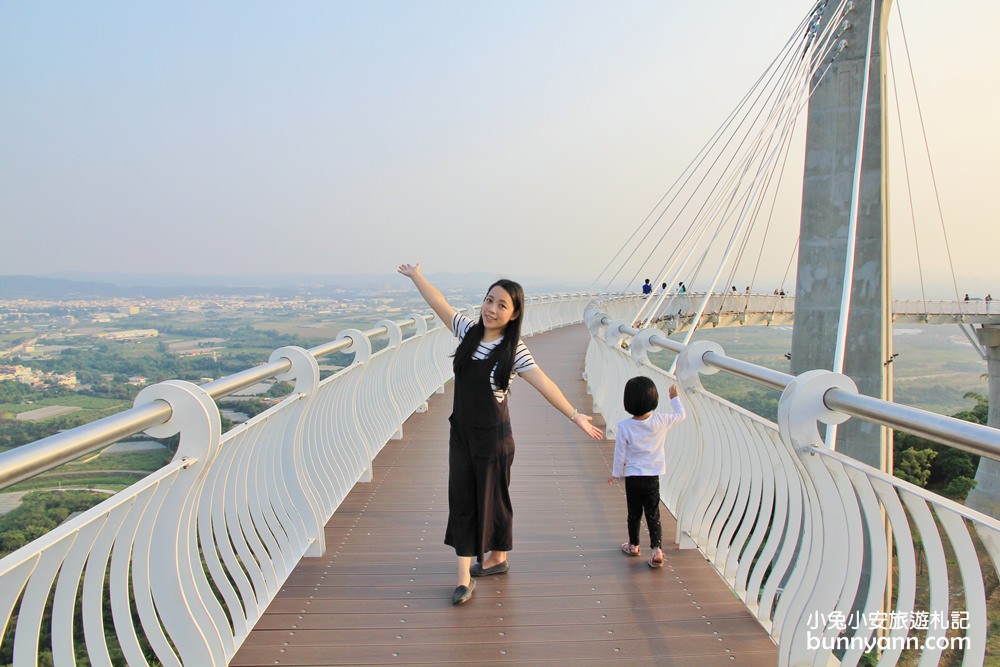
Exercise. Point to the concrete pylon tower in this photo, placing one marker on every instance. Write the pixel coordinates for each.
(986, 496)
(834, 120)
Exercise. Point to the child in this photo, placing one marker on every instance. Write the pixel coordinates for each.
(481, 449)
(639, 457)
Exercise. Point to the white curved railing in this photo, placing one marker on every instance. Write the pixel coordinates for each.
(809, 539)
(678, 312)
(189, 558)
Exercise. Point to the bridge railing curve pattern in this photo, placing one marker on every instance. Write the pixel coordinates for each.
(834, 558)
(177, 568)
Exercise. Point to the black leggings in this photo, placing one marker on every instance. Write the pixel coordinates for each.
(642, 494)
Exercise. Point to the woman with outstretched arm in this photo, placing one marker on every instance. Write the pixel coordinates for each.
(490, 354)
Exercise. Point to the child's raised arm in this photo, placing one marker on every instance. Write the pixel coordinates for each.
(432, 295)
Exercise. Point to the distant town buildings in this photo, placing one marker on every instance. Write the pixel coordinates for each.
(130, 334)
(38, 328)
(36, 378)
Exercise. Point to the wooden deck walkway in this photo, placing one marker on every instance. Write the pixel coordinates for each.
(381, 595)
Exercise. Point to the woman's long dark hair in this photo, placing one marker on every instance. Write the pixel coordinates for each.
(503, 354)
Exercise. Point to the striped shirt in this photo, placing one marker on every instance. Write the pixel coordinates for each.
(523, 361)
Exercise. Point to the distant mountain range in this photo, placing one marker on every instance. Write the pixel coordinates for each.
(68, 286)
(31, 287)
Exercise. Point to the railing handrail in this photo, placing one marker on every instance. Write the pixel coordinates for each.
(967, 436)
(799, 531)
(221, 526)
(28, 460)
(190, 556)
(33, 458)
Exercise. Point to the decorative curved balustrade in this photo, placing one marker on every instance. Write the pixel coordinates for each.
(974, 311)
(177, 568)
(812, 541)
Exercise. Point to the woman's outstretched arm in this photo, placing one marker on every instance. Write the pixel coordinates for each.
(432, 295)
(537, 378)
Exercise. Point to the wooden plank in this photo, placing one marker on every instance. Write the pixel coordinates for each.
(382, 592)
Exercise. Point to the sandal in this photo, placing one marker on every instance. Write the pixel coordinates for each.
(630, 549)
(657, 559)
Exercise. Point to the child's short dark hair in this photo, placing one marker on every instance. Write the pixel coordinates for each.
(641, 396)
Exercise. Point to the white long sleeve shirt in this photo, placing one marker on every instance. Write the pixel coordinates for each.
(639, 442)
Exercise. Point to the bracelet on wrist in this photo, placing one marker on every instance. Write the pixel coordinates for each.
(573, 416)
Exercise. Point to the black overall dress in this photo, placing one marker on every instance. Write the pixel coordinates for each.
(481, 451)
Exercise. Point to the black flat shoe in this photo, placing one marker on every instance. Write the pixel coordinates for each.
(463, 594)
(477, 569)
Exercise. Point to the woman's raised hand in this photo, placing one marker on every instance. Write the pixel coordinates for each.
(431, 294)
(409, 270)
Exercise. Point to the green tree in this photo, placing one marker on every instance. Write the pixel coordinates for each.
(12, 540)
(960, 487)
(952, 471)
(914, 465)
(279, 389)
(40, 512)
(979, 413)
(12, 391)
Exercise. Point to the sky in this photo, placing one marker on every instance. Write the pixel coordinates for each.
(520, 138)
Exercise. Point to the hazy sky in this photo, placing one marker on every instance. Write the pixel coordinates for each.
(516, 137)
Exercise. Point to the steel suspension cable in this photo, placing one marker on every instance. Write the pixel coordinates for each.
(739, 150)
(770, 216)
(761, 179)
(927, 150)
(906, 174)
(827, 41)
(788, 270)
(690, 170)
(785, 133)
